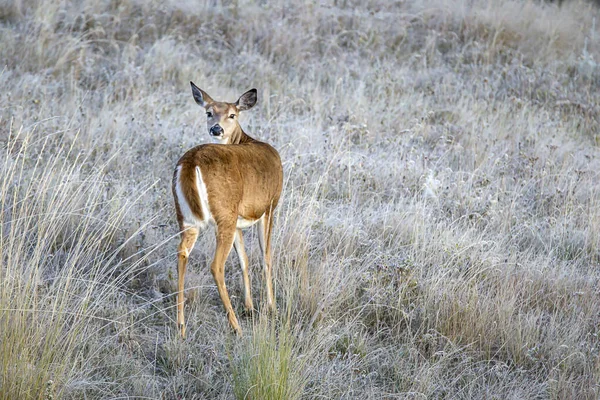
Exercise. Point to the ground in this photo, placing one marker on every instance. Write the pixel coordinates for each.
(438, 233)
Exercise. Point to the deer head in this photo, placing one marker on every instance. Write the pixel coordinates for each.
(222, 117)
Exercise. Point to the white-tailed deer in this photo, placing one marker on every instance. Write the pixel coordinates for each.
(233, 185)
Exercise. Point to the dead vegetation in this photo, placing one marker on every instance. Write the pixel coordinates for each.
(438, 236)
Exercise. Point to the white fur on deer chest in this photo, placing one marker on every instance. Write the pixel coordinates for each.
(245, 223)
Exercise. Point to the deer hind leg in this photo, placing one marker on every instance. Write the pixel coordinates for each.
(241, 252)
(188, 239)
(264, 240)
(225, 237)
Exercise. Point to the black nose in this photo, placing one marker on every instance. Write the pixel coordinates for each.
(216, 130)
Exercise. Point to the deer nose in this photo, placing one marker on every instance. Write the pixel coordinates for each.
(216, 130)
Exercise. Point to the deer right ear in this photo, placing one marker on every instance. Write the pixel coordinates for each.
(247, 100)
(201, 97)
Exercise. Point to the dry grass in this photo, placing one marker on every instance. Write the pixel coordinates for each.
(440, 226)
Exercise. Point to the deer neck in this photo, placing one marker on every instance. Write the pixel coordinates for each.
(239, 136)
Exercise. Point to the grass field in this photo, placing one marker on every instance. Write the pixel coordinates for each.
(438, 234)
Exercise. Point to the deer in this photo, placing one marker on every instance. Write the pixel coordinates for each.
(231, 184)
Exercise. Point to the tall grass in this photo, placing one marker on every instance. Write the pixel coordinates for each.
(438, 232)
(266, 364)
(56, 221)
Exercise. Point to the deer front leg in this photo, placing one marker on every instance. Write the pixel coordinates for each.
(241, 252)
(264, 240)
(225, 236)
(188, 239)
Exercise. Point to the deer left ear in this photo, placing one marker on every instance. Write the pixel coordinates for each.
(202, 98)
(247, 100)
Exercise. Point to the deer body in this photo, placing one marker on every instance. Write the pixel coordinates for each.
(232, 185)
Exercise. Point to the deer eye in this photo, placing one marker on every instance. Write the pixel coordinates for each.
(208, 114)
(232, 116)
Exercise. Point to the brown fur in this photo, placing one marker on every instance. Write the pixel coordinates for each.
(243, 178)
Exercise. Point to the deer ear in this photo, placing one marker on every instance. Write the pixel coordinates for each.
(201, 97)
(247, 100)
